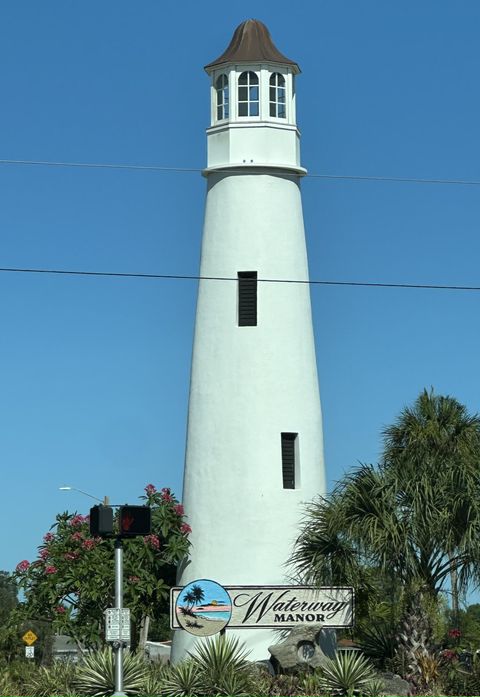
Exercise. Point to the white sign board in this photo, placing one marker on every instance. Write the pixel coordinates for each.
(117, 624)
(29, 651)
(282, 607)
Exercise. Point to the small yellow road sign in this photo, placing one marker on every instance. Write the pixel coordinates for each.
(29, 637)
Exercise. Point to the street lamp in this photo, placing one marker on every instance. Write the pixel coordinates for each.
(105, 500)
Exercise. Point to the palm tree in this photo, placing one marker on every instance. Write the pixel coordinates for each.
(416, 516)
(432, 452)
(198, 594)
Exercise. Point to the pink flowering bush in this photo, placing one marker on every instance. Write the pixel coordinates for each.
(153, 541)
(78, 520)
(22, 566)
(72, 581)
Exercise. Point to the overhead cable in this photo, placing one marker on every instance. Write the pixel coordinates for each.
(233, 170)
(188, 277)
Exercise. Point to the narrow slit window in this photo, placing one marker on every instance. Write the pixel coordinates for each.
(247, 298)
(289, 442)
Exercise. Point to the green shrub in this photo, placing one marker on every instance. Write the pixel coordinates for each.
(348, 674)
(54, 680)
(223, 667)
(15, 677)
(180, 679)
(95, 674)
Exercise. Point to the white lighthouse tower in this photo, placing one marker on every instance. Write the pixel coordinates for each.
(254, 440)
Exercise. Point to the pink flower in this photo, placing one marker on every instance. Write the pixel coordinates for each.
(78, 520)
(44, 553)
(60, 609)
(454, 633)
(185, 528)
(51, 569)
(153, 541)
(48, 537)
(134, 579)
(150, 489)
(179, 510)
(22, 565)
(71, 556)
(449, 655)
(88, 544)
(77, 536)
(166, 495)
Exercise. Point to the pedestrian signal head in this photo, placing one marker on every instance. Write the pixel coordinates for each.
(101, 521)
(134, 520)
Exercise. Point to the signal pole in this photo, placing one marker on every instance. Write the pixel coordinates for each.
(118, 645)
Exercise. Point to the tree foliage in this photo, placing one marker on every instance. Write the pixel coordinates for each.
(415, 517)
(71, 583)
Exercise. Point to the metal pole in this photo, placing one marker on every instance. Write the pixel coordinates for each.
(119, 604)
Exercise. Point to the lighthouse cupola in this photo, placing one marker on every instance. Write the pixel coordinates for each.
(253, 118)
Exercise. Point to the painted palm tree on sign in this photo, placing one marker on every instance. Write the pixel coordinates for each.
(197, 594)
(192, 598)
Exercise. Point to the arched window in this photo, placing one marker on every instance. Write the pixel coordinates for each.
(221, 86)
(277, 96)
(248, 99)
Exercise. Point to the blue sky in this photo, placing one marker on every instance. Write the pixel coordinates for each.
(94, 372)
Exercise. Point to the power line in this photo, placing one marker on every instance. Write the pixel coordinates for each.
(187, 277)
(158, 168)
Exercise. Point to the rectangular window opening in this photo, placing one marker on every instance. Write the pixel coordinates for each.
(289, 459)
(247, 298)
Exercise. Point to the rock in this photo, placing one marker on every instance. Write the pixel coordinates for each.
(395, 685)
(299, 648)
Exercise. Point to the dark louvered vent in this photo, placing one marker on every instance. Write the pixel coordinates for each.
(288, 460)
(247, 298)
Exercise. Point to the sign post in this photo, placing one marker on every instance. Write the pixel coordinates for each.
(118, 645)
(29, 638)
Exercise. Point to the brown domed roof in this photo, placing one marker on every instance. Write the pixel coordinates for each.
(252, 43)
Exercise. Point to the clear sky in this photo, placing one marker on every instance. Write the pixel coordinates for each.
(94, 372)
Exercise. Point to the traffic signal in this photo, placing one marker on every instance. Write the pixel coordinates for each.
(134, 520)
(101, 521)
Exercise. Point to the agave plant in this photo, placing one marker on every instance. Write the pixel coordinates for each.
(374, 687)
(54, 680)
(96, 674)
(223, 667)
(180, 679)
(347, 674)
(154, 678)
